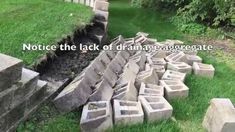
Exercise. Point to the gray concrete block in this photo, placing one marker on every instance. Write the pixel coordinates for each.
(174, 42)
(173, 75)
(130, 72)
(102, 15)
(140, 59)
(156, 61)
(140, 38)
(96, 117)
(193, 58)
(180, 67)
(151, 90)
(102, 92)
(156, 108)
(176, 57)
(10, 71)
(148, 76)
(174, 89)
(127, 112)
(101, 5)
(220, 116)
(204, 70)
(159, 69)
(142, 34)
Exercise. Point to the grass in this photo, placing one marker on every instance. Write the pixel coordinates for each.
(42, 22)
(188, 113)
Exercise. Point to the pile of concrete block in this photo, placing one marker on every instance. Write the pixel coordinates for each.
(138, 83)
(21, 92)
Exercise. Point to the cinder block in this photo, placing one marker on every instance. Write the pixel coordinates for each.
(158, 54)
(103, 92)
(150, 41)
(117, 41)
(156, 61)
(176, 57)
(101, 5)
(180, 67)
(204, 70)
(151, 90)
(220, 116)
(142, 34)
(101, 15)
(173, 75)
(96, 117)
(141, 38)
(126, 91)
(156, 108)
(110, 76)
(140, 59)
(127, 112)
(10, 71)
(174, 42)
(193, 58)
(115, 66)
(148, 76)
(174, 89)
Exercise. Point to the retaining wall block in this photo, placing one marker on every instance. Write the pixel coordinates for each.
(151, 90)
(140, 59)
(173, 75)
(204, 70)
(180, 67)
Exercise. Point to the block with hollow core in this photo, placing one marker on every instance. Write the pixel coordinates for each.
(220, 116)
(150, 41)
(180, 67)
(101, 15)
(127, 112)
(159, 69)
(142, 34)
(176, 57)
(193, 58)
(126, 91)
(174, 89)
(141, 38)
(151, 90)
(111, 54)
(96, 117)
(156, 108)
(173, 75)
(101, 5)
(110, 76)
(156, 61)
(148, 76)
(205, 70)
(115, 66)
(140, 59)
(102, 92)
(10, 71)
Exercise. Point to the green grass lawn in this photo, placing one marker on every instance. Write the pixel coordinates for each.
(189, 112)
(42, 22)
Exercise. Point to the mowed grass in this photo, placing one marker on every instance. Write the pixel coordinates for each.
(40, 22)
(188, 113)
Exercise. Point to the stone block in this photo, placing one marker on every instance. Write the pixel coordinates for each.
(101, 15)
(176, 57)
(151, 90)
(101, 5)
(220, 116)
(193, 58)
(126, 91)
(180, 67)
(174, 89)
(102, 92)
(96, 117)
(156, 108)
(204, 70)
(148, 76)
(10, 71)
(127, 112)
(173, 75)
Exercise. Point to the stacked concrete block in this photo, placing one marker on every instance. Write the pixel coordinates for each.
(180, 67)
(151, 90)
(173, 75)
(127, 112)
(193, 58)
(140, 58)
(21, 92)
(156, 108)
(220, 116)
(157, 61)
(204, 70)
(174, 89)
(96, 117)
(148, 76)
(176, 57)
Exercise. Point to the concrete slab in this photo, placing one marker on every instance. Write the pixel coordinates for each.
(156, 108)
(180, 67)
(151, 90)
(220, 116)
(127, 112)
(10, 71)
(204, 70)
(173, 75)
(96, 117)
(174, 89)
(193, 58)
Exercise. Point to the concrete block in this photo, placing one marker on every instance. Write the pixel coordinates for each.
(159, 69)
(117, 41)
(180, 67)
(102, 92)
(173, 75)
(220, 116)
(140, 59)
(174, 42)
(141, 38)
(96, 117)
(110, 76)
(193, 58)
(158, 54)
(151, 90)
(156, 61)
(156, 108)
(101, 5)
(174, 89)
(150, 41)
(204, 70)
(148, 76)
(111, 54)
(101, 15)
(115, 66)
(176, 57)
(10, 71)
(142, 34)
(126, 91)
(127, 112)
